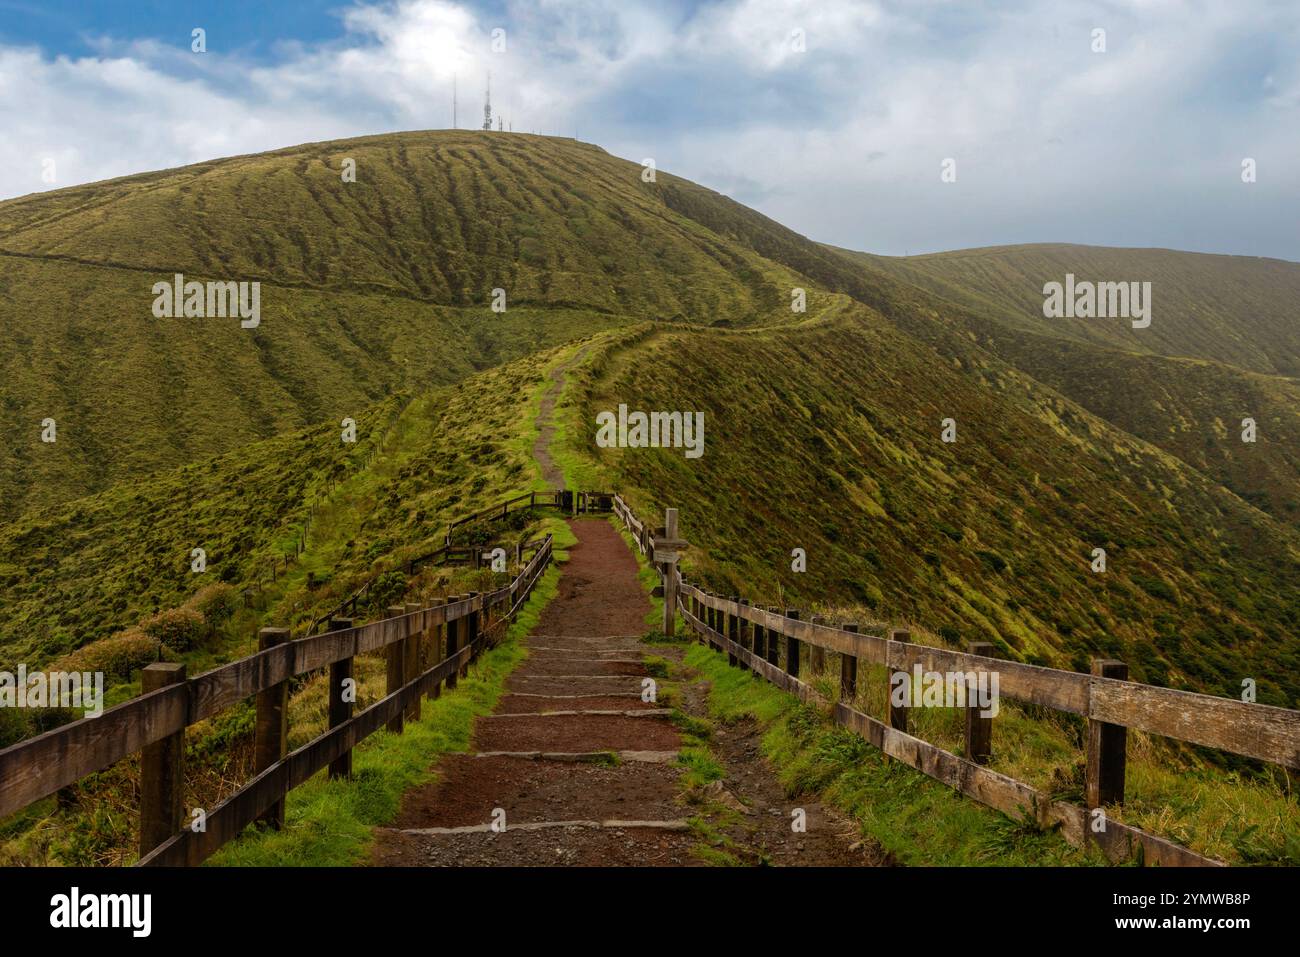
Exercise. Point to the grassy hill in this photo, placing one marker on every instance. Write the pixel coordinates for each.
(382, 284)
(1222, 346)
(370, 286)
(822, 429)
(1238, 310)
(826, 437)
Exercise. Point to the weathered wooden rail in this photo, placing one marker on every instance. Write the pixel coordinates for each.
(449, 634)
(767, 641)
(566, 500)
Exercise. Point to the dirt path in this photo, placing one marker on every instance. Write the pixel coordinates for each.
(574, 768)
(546, 423)
(579, 765)
(582, 771)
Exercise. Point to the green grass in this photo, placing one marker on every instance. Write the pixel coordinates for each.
(917, 820)
(330, 823)
(801, 454)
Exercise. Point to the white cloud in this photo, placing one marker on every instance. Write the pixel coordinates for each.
(842, 142)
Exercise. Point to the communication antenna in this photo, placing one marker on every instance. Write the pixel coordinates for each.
(453, 101)
(487, 104)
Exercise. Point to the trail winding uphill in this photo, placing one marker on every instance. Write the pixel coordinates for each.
(577, 765)
(575, 768)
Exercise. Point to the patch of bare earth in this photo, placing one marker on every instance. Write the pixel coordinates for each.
(589, 783)
(750, 807)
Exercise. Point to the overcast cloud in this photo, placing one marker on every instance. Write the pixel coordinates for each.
(1141, 145)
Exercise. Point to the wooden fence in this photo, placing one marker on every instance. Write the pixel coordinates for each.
(449, 635)
(767, 641)
(568, 501)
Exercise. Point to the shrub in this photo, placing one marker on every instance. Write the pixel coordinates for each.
(387, 589)
(178, 628)
(216, 603)
(119, 655)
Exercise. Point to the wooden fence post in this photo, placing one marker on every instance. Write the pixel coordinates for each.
(670, 577)
(746, 629)
(162, 768)
(715, 622)
(979, 729)
(816, 653)
(896, 714)
(414, 661)
(774, 641)
(849, 672)
(470, 635)
(271, 734)
(792, 647)
(733, 634)
(1107, 747)
(436, 649)
(339, 709)
(396, 671)
(760, 647)
(455, 629)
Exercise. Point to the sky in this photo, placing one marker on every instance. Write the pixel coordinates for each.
(892, 126)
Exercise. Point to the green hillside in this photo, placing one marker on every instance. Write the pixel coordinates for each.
(826, 437)
(382, 285)
(1222, 346)
(369, 286)
(1238, 310)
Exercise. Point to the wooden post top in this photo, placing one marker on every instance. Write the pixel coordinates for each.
(160, 674)
(270, 637)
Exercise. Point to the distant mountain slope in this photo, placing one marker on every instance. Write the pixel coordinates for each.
(1223, 346)
(1237, 310)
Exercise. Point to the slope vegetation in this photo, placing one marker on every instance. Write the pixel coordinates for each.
(369, 286)
(827, 438)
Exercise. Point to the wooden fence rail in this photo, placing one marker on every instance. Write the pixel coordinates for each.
(40, 766)
(563, 499)
(1110, 703)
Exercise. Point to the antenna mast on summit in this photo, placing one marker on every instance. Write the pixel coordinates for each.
(487, 104)
(453, 101)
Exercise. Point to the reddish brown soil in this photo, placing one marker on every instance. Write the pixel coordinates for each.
(540, 684)
(560, 847)
(599, 596)
(551, 664)
(471, 788)
(527, 704)
(576, 732)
